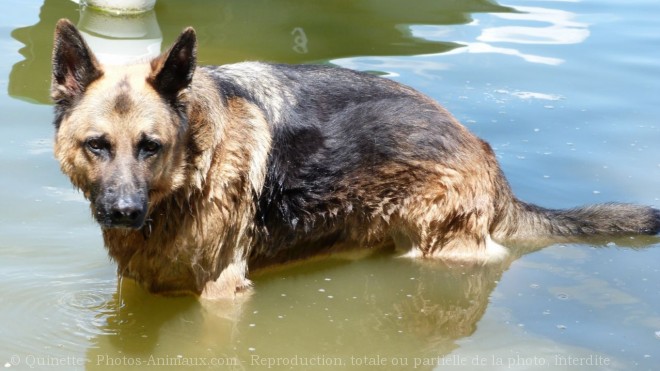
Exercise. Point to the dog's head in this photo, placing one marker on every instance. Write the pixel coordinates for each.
(121, 130)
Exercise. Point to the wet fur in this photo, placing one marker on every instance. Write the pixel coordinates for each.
(262, 164)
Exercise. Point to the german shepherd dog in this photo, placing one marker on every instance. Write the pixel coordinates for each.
(197, 173)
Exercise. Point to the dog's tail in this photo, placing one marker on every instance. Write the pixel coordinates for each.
(521, 221)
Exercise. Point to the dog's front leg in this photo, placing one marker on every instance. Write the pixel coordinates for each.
(231, 282)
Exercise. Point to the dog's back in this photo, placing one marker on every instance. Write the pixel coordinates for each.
(358, 157)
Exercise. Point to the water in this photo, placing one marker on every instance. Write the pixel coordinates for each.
(565, 91)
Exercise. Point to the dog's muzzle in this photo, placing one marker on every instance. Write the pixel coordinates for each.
(128, 212)
(121, 209)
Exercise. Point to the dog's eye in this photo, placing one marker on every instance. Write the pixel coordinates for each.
(97, 145)
(149, 147)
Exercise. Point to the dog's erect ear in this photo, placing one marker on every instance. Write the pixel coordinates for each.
(173, 70)
(74, 64)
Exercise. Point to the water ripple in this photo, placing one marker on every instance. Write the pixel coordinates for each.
(90, 308)
(65, 310)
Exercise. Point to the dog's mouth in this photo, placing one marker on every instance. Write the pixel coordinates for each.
(133, 223)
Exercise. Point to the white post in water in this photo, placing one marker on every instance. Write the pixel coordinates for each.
(121, 6)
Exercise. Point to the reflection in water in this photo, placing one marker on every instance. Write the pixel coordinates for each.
(30, 78)
(141, 325)
(121, 6)
(478, 48)
(299, 41)
(562, 28)
(288, 31)
(558, 27)
(121, 40)
(342, 310)
(310, 31)
(383, 307)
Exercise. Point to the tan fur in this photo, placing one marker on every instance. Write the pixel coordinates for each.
(213, 207)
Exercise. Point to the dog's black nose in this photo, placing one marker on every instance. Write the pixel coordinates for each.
(128, 212)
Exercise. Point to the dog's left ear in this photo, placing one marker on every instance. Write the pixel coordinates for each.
(173, 70)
